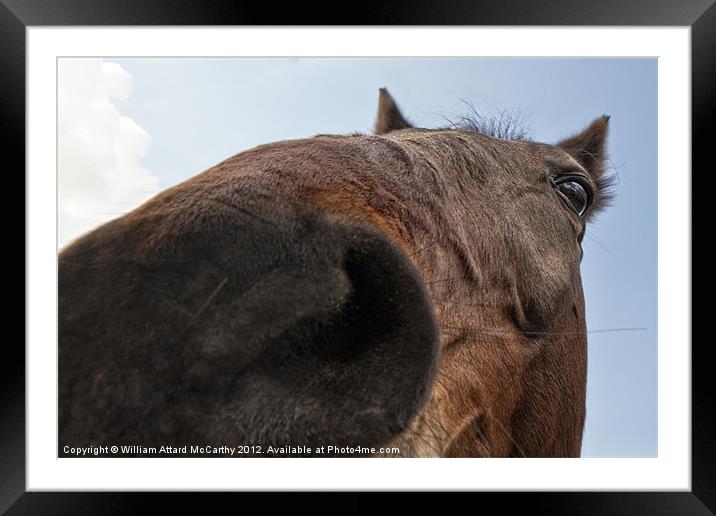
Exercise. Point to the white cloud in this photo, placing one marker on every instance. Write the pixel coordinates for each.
(100, 177)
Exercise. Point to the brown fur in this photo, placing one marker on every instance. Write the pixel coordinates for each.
(346, 205)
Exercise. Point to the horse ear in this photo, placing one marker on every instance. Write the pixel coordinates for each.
(389, 116)
(589, 146)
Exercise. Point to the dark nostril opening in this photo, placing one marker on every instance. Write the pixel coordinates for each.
(367, 312)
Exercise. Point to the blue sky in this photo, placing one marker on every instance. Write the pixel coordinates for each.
(201, 111)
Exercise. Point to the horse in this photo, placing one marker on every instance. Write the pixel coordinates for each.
(408, 293)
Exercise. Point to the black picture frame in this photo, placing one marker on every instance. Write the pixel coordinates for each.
(17, 15)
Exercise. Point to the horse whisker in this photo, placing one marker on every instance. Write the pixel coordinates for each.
(209, 300)
(499, 331)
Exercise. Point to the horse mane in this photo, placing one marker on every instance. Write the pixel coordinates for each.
(504, 124)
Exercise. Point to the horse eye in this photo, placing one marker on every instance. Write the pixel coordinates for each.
(576, 195)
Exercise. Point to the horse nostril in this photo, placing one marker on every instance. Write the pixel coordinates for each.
(336, 347)
(302, 332)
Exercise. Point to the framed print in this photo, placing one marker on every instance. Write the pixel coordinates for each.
(453, 243)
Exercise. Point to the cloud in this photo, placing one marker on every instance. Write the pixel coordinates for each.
(100, 176)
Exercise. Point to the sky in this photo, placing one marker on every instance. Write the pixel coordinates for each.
(132, 127)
